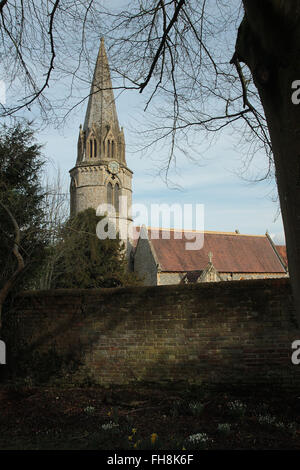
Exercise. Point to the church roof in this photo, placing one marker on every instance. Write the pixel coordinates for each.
(101, 108)
(231, 252)
(282, 252)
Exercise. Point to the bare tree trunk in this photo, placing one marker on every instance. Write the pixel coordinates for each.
(57, 208)
(10, 282)
(269, 43)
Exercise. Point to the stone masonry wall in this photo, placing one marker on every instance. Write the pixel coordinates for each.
(168, 278)
(144, 263)
(231, 332)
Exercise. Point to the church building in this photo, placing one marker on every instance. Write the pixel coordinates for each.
(101, 177)
(225, 256)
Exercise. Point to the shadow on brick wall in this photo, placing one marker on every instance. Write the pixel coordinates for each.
(217, 333)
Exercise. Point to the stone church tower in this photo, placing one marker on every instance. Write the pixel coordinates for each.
(101, 175)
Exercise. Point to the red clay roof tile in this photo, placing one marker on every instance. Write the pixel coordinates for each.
(282, 251)
(231, 253)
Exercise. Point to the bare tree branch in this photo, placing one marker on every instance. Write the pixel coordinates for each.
(2, 4)
(15, 250)
(162, 43)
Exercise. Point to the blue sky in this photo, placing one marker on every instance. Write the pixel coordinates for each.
(213, 180)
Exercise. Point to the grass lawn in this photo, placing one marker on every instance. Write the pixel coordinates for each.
(147, 417)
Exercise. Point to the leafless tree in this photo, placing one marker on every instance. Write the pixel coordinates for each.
(42, 43)
(180, 47)
(56, 209)
(183, 51)
(9, 283)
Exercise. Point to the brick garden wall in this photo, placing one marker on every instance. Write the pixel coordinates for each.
(234, 332)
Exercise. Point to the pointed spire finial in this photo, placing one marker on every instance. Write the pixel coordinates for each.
(101, 108)
(210, 256)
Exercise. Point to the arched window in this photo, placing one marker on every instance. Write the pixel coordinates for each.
(108, 148)
(91, 148)
(95, 148)
(109, 193)
(112, 149)
(116, 197)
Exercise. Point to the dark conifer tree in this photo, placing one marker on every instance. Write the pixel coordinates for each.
(86, 261)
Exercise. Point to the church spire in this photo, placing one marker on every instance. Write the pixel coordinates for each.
(101, 109)
(101, 175)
